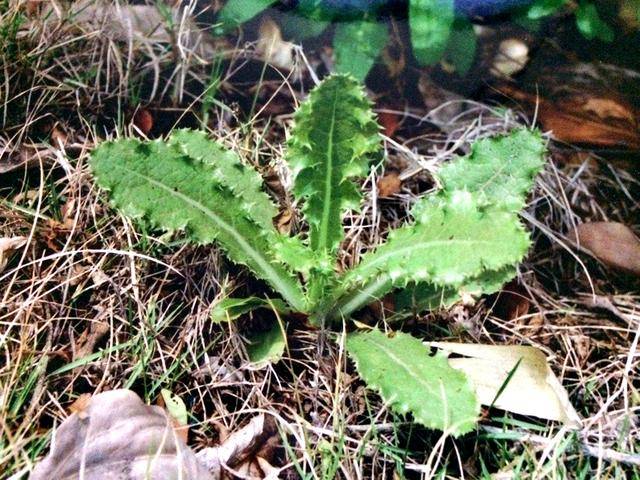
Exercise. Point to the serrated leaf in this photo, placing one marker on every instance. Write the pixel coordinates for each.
(430, 23)
(229, 309)
(357, 45)
(175, 192)
(299, 257)
(499, 170)
(465, 238)
(401, 369)
(331, 145)
(425, 296)
(452, 241)
(228, 169)
(267, 347)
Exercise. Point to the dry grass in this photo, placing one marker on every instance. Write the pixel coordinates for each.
(93, 303)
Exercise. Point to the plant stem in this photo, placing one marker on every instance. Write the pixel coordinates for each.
(344, 304)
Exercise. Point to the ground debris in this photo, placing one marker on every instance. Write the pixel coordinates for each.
(115, 435)
(613, 243)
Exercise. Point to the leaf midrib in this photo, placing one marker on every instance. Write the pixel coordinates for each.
(288, 290)
(364, 267)
(328, 187)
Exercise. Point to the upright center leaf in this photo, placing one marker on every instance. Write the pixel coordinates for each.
(331, 145)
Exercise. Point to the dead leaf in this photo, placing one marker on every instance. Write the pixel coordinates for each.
(532, 390)
(146, 24)
(79, 407)
(609, 108)
(241, 446)
(24, 156)
(390, 122)
(567, 126)
(272, 48)
(583, 117)
(614, 244)
(119, 437)
(284, 220)
(143, 120)
(389, 185)
(512, 302)
(7, 246)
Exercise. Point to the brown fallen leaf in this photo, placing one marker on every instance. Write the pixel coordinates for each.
(584, 117)
(512, 302)
(609, 108)
(390, 122)
(7, 246)
(59, 137)
(613, 243)
(389, 185)
(533, 389)
(22, 157)
(79, 407)
(116, 435)
(143, 120)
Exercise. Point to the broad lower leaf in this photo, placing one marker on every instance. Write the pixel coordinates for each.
(401, 369)
(357, 45)
(331, 145)
(229, 309)
(451, 242)
(430, 23)
(467, 238)
(174, 191)
(499, 171)
(424, 296)
(267, 347)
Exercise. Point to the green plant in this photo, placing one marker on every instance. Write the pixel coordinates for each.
(439, 28)
(466, 238)
(359, 37)
(588, 20)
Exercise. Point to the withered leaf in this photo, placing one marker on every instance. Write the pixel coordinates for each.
(389, 185)
(7, 246)
(613, 243)
(116, 435)
(532, 389)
